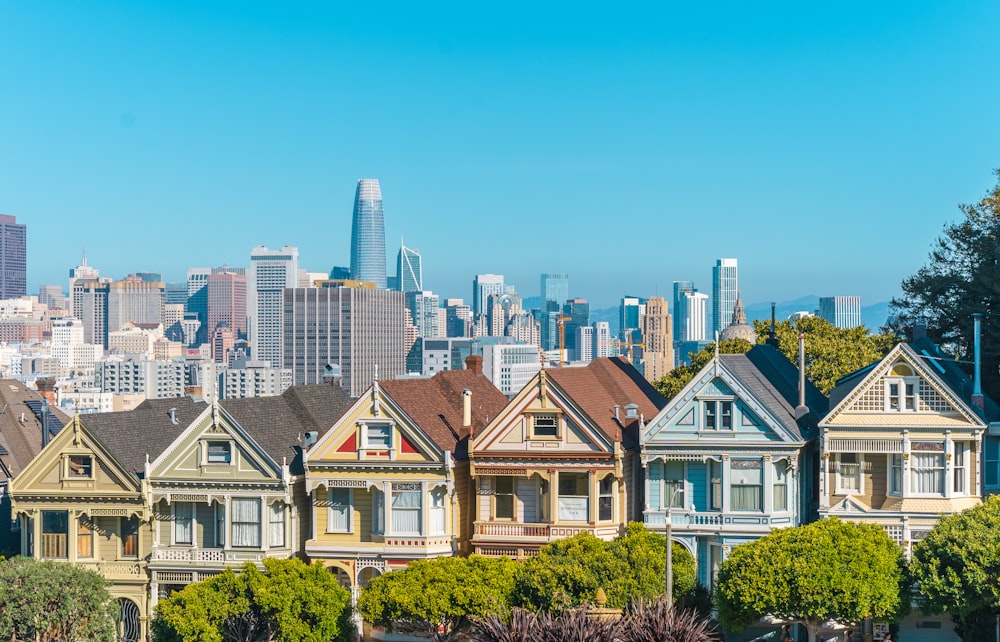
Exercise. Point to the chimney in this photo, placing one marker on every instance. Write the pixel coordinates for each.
(772, 335)
(474, 363)
(802, 409)
(919, 330)
(977, 386)
(466, 408)
(616, 411)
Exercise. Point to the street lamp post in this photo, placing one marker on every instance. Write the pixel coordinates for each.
(670, 549)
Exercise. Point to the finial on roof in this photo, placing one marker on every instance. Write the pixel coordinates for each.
(376, 372)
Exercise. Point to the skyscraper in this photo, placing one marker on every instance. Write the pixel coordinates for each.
(409, 270)
(227, 302)
(555, 287)
(680, 289)
(368, 234)
(725, 289)
(630, 313)
(271, 271)
(423, 309)
(82, 271)
(841, 311)
(658, 350)
(483, 286)
(13, 260)
(691, 312)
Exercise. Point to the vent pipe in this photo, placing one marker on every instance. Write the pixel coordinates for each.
(977, 386)
(802, 409)
(466, 408)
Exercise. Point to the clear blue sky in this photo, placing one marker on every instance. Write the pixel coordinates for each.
(822, 144)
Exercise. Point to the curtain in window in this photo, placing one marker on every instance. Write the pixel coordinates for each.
(959, 464)
(896, 474)
(246, 521)
(276, 534)
(84, 538)
(780, 485)
(437, 511)
(715, 485)
(673, 484)
(183, 512)
(406, 512)
(339, 512)
(927, 473)
(378, 511)
(745, 482)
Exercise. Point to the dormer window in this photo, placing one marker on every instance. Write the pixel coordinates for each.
(545, 426)
(377, 437)
(219, 452)
(901, 389)
(80, 467)
(718, 414)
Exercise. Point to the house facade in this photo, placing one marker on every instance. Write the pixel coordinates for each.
(559, 459)
(730, 457)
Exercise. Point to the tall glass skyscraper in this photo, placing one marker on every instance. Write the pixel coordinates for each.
(409, 270)
(725, 290)
(368, 234)
(13, 261)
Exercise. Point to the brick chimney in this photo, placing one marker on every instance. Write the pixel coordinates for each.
(47, 389)
(474, 363)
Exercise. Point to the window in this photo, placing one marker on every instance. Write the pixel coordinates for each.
(80, 466)
(406, 509)
(901, 393)
(896, 475)
(848, 473)
(377, 437)
(338, 513)
(437, 510)
(746, 484)
(378, 512)
(961, 467)
(219, 452)
(991, 457)
(183, 523)
(55, 534)
(545, 426)
(715, 485)
(927, 468)
(718, 414)
(220, 525)
(503, 498)
(246, 522)
(276, 533)
(573, 497)
(780, 485)
(130, 536)
(605, 499)
(84, 538)
(673, 484)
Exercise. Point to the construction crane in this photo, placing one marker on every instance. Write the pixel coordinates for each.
(562, 337)
(628, 344)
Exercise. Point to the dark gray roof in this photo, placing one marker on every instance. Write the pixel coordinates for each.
(953, 375)
(769, 375)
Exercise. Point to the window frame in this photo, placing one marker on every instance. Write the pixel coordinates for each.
(234, 523)
(84, 535)
(505, 497)
(782, 465)
(751, 463)
(366, 435)
(228, 460)
(902, 393)
(668, 484)
(348, 505)
(924, 450)
(177, 519)
(960, 467)
(718, 414)
(839, 487)
(991, 461)
(276, 519)
(47, 516)
(895, 482)
(553, 431)
(130, 536)
(437, 511)
(565, 476)
(88, 466)
(399, 490)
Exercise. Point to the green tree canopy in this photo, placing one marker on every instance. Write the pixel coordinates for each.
(831, 352)
(827, 570)
(961, 278)
(675, 380)
(42, 601)
(437, 596)
(290, 601)
(955, 568)
(569, 571)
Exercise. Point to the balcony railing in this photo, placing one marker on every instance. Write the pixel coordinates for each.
(205, 555)
(540, 532)
(118, 570)
(714, 520)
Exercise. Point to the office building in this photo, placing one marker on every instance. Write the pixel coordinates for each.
(510, 366)
(841, 311)
(657, 339)
(52, 296)
(483, 287)
(630, 313)
(681, 288)
(358, 330)
(80, 272)
(132, 300)
(227, 302)
(253, 379)
(584, 352)
(555, 287)
(90, 305)
(690, 316)
(423, 310)
(138, 375)
(458, 318)
(725, 290)
(578, 313)
(175, 293)
(13, 258)
(368, 234)
(409, 270)
(271, 272)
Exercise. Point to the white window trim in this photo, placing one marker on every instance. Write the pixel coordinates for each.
(840, 489)
(232, 450)
(376, 424)
(717, 402)
(683, 494)
(902, 382)
(66, 475)
(531, 426)
(951, 467)
(909, 468)
(902, 475)
(350, 512)
(194, 524)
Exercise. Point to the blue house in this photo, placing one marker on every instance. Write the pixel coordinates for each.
(732, 456)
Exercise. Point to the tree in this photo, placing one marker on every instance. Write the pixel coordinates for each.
(675, 380)
(956, 566)
(290, 601)
(827, 570)
(568, 572)
(438, 596)
(961, 278)
(831, 352)
(44, 601)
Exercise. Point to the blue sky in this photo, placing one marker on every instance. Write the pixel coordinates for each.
(630, 145)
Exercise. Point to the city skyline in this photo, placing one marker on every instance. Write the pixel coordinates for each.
(502, 145)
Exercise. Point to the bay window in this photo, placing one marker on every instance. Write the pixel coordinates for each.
(245, 522)
(438, 496)
(896, 475)
(848, 473)
(960, 465)
(276, 522)
(715, 485)
(927, 468)
(130, 536)
(503, 497)
(746, 484)
(84, 538)
(406, 505)
(55, 534)
(605, 499)
(573, 497)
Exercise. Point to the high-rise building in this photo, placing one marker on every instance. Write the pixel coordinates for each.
(357, 331)
(458, 318)
(52, 296)
(483, 287)
(409, 270)
(90, 305)
(691, 311)
(725, 290)
(555, 287)
(602, 340)
(132, 300)
(13, 258)
(578, 311)
(271, 271)
(510, 366)
(227, 302)
(630, 313)
(681, 288)
(423, 309)
(841, 311)
(82, 271)
(584, 344)
(368, 234)
(657, 340)
(175, 293)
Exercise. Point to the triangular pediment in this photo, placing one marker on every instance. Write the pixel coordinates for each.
(902, 388)
(542, 418)
(374, 429)
(75, 463)
(850, 504)
(214, 448)
(716, 406)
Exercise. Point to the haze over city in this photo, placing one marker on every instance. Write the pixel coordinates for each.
(629, 147)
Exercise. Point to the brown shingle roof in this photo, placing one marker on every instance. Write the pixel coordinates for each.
(435, 404)
(604, 383)
(20, 442)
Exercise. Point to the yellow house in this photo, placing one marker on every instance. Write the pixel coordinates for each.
(76, 502)
(386, 478)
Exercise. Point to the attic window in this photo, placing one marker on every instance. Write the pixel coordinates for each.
(219, 452)
(545, 426)
(80, 466)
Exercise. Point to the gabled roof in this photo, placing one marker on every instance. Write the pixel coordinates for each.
(435, 404)
(20, 442)
(603, 384)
